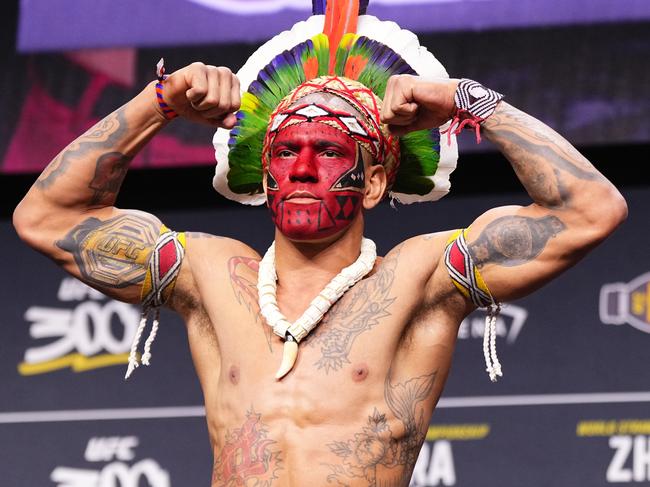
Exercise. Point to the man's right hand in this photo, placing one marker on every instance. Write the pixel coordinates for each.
(204, 94)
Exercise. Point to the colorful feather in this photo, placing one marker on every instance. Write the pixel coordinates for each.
(341, 17)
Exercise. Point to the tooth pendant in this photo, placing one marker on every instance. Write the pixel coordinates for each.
(289, 355)
(267, 282)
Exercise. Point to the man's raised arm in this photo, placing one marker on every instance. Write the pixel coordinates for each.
(517, 249)
(68, 214)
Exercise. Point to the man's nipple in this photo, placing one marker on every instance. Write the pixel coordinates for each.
(233, 374)
(359, 372)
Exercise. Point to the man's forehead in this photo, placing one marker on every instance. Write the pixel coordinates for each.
(317, 133)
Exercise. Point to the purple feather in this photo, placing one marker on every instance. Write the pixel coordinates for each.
(363, 5)
(256, 88)
(318, 7)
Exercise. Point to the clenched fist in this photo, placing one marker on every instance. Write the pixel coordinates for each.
(415, 103)
(204, 94)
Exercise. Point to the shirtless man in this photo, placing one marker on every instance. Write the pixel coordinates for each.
(357, 417)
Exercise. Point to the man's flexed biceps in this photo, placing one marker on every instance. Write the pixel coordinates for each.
(68, 214)
(516, 249)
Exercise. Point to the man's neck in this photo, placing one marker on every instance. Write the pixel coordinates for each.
(303, 265)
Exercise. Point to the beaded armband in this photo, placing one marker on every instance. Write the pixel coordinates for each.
(474, 103)
(160, 279)
(468, 280)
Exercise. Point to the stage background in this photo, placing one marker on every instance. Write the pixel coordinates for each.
(573, 409)
(560, 416)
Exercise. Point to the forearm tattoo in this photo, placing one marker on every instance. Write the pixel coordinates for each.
(110, 171)
(514, 240)
(113, 253)
(110, 165)
(543, 160)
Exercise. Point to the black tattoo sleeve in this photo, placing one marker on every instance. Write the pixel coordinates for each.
(110, 171)
(514, 240)
(544, 161)
(113, 253)
(103, 136)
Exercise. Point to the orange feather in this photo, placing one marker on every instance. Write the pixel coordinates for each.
(341, 17)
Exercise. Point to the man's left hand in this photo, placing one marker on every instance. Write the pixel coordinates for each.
(415, 103)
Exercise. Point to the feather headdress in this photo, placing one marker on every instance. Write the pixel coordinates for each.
(338, 40)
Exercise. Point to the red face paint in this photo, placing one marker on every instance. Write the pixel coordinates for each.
(315, 181)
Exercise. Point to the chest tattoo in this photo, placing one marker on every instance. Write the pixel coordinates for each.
(243, 279)
(359, 310)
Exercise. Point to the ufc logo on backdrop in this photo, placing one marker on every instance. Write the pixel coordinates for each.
(93, 333)
(118, 473)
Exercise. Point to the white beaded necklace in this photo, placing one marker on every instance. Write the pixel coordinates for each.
(293, 333)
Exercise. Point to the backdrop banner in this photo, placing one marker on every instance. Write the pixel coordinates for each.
(590, 93)
(573, 407)
(74, 24)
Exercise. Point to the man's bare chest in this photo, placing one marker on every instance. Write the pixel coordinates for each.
(367, 317)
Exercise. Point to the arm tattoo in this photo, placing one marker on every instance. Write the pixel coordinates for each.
(109, 173)
(360, 309)
(378, 455)
(113, 253)
(514, 240)
(248, 456)
(541, 158)
(103, 136)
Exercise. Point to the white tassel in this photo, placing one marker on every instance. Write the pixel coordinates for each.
(492, 364)
(146, 356)
(496, 365)
(133, 354)
(486, 346)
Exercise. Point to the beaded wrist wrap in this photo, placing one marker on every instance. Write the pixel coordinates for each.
(474, 103)
(168, 111)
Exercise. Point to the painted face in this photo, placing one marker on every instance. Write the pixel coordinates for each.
(315, 181)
